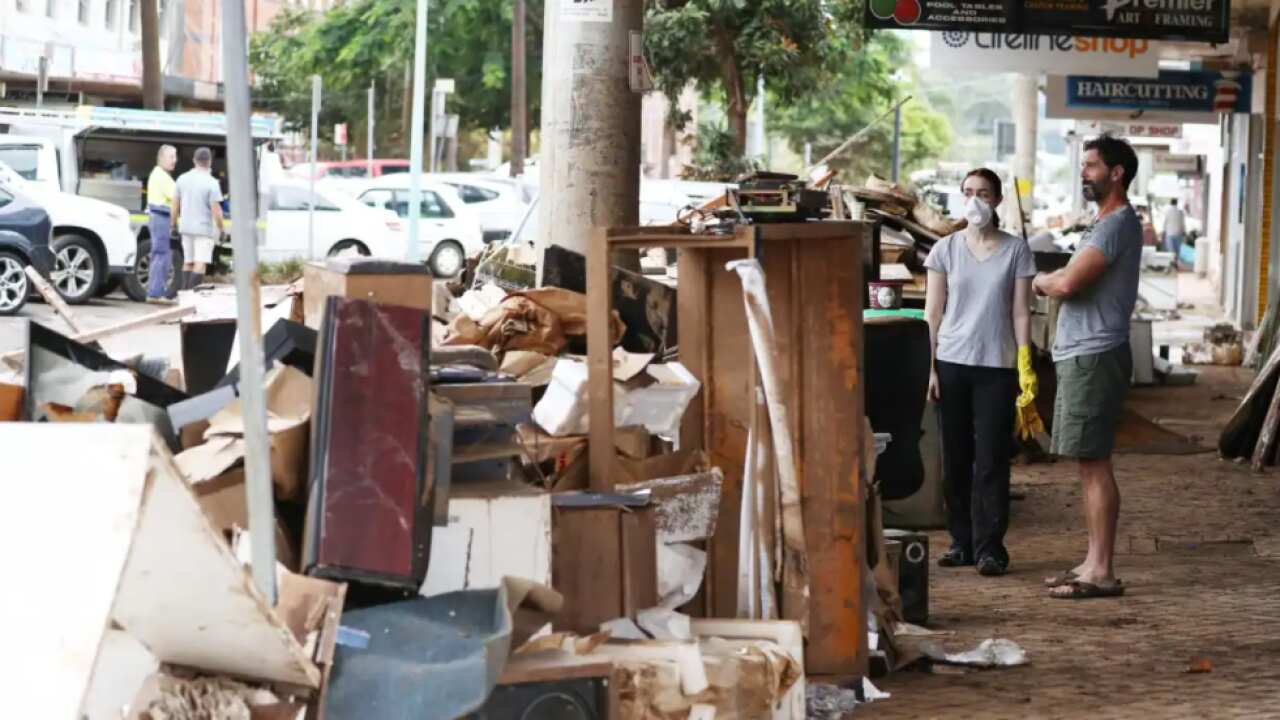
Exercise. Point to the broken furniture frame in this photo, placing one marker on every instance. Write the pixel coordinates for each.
(814, 276)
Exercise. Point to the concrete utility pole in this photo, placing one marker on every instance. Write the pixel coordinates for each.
(257, 461)
(519, 90)
(1026, 110)
(590, 147)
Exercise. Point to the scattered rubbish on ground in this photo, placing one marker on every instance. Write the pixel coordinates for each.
(1199, 666)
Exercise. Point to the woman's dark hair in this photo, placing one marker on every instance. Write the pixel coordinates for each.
(996, 187)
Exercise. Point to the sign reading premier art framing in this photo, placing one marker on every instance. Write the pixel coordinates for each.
(1195, 92)
(1196, 20)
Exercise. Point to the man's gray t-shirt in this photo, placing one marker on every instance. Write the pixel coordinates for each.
(977, 324)
(196, 191)
(1096, 319)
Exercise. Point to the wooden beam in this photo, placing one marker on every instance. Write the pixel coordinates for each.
(55, 300)
(14, 359)
(599, 363)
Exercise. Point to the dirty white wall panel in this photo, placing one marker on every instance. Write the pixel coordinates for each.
(510, 535)
(66, 519)
(123, 666)
(186, 597)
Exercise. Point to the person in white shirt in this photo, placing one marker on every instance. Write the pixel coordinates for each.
(1174, 230)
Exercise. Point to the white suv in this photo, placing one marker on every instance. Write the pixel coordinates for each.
(93, 244)
(450, 230)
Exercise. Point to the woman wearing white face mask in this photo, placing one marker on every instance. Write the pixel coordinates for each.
(978, 309)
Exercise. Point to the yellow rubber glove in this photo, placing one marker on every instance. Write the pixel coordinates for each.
(1027, 381)
(1029, 423)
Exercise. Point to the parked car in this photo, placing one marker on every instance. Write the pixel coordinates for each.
(450, 230)
(26, 236)
(349, 169)
(92, 239)
(500, 203)
(342, 226)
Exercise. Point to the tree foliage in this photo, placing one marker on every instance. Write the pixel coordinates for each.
(866, 85)
(364, 41)
(724, 45)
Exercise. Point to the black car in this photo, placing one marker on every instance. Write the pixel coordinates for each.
(25, 235)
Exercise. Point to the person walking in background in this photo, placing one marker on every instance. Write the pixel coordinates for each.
(1098, 289)
(979, 314)
(1174, 230)
(160, 194)
(197, 211)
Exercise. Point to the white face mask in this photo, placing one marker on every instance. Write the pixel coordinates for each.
(977, 212)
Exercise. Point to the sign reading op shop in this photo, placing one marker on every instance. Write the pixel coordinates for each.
(1194, 20)
(1197, 92)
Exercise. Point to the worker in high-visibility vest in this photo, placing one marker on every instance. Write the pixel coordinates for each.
(160, 191)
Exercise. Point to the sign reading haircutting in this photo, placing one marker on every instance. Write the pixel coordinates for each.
(1195, 20)
(1002, 52)
(1194, 92)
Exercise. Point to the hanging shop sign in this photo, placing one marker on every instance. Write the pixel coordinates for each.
(1194, 92)
(1162, 131)
(1167, 162)
(1063, 54)
(1194, 20)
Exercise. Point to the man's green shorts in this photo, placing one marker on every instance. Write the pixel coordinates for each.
(1091, 390)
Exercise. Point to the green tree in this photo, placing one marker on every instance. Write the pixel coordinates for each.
(866, 84)
(724, 45)
(365, 41)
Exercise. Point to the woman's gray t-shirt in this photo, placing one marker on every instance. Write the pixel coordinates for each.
(977, 323)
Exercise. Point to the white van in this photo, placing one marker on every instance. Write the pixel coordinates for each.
(106, 154)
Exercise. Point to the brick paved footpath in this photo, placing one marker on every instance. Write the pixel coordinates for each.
(1195, 535)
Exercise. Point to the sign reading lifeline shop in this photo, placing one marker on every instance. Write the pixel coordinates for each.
(1196, 92)
(1059, 54)
(1194, 20)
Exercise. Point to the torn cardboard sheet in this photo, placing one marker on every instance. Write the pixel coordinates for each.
(681, 568)
(795, 564)
(656, 399)
(539, 320)
(688, 505)
(475, 304)
(288, 415)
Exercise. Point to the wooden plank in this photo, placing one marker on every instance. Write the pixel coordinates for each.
(1264, 450)
(584, 567)
(599, 364)
(14, 359)
(818, 310)
(52, 297)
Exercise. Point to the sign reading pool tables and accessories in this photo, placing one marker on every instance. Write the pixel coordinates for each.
(1197, 20)
(1197, 92)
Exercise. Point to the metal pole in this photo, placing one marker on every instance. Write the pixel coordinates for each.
(897, 142)
(257, 462)
(42, 72)
(369, 143)
(519, 90)
(855, 138)
(315, 140)
(416, 128)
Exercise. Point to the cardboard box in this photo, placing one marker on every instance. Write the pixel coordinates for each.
(226, 505)
(379, 281)
(604, 560)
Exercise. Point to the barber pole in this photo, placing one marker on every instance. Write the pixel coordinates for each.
(1226, 93)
